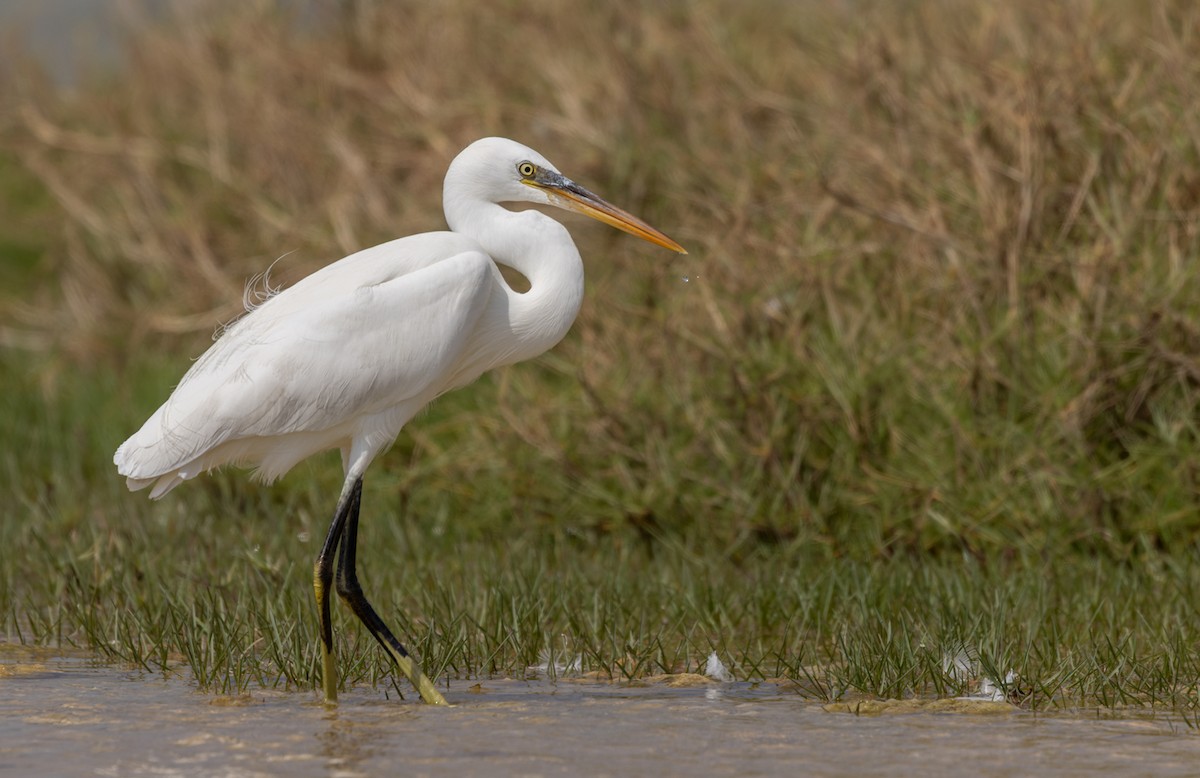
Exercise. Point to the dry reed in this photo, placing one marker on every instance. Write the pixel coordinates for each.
(941, 290)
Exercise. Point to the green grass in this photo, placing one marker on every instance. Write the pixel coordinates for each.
(930, 386)
(218, 577)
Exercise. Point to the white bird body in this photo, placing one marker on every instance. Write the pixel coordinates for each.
(347, 356)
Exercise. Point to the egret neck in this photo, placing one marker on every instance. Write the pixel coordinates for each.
(537, 247)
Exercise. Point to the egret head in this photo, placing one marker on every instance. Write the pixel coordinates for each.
(503, 171)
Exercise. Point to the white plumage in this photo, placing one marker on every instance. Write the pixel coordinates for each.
(346, 357)
(352, 352)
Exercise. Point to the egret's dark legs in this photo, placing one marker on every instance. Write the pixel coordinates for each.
(323, 580)
(351, 592)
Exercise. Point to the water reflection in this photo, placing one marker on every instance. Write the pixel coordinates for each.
(70, 716)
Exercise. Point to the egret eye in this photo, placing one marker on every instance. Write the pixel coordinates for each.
(526, 169)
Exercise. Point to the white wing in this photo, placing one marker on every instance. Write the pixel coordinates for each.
(372, 332)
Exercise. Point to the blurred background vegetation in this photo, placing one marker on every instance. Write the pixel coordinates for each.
(941, 304)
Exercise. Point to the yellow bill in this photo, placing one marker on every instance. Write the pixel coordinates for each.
(567, 194)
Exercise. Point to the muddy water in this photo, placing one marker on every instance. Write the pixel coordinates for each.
(68, 716)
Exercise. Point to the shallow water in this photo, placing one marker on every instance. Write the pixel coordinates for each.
(70, 716)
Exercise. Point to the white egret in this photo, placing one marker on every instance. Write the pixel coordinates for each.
(344, 358)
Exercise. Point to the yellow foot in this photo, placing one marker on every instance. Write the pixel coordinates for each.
(424, 686)
(329, 676)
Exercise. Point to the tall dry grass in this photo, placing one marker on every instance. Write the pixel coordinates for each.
(941, 291)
